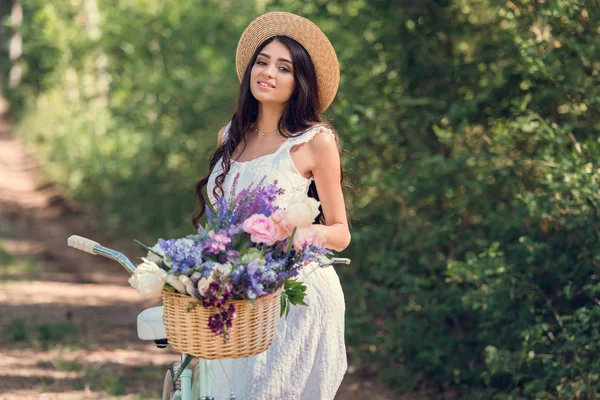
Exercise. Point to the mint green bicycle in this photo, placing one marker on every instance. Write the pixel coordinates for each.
(181, 383)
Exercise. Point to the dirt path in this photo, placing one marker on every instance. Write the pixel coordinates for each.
(67, 319)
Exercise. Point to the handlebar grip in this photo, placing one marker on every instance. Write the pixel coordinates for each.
(338, 260)
(81, 243)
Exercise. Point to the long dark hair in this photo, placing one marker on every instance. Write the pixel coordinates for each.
(300, 113)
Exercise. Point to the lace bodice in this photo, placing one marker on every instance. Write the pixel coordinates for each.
(278, 166)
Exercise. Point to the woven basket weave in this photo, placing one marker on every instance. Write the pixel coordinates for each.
(252, 332)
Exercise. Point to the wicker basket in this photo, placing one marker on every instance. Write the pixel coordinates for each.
(252, 332)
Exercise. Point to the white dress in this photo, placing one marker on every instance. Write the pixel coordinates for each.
(308, 357)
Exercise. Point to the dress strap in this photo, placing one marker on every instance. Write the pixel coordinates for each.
(307, 136)
(226, 131)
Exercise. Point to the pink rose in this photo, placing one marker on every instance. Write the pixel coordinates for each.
(308, 235)
(283, 227)
(261, 229)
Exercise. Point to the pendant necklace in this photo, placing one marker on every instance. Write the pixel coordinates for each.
(263, 133)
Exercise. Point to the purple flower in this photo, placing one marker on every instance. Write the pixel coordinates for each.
(216, 243)
(183, 253)
(217, 294)
(231, 212)
(253, 267)
(207, 268)
(233, 256)
(208, 213)
(269, 276)
(253, 199)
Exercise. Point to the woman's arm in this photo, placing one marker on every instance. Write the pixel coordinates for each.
(326, 172)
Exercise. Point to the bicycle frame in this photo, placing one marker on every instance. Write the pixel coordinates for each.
(186, 382)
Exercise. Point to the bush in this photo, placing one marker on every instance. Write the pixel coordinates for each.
(473, 149)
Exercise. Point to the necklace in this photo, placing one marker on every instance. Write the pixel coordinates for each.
(263, 133)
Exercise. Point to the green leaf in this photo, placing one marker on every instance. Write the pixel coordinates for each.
(169, 288)
(192, 305)
(282, 300)
(147, 248)
(293, 294)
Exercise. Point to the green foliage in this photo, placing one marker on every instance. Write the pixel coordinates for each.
(293, 294)
(13, 264)
(473, 148)
(471, 134)
(16, 331)
(99, 378)
(42, 336)
(134, 108)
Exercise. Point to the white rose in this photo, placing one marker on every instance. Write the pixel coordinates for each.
(148, 279)
(156, 257)
(147, 285)
(302, 211)
(187, 282)
(176, 283)
(203, 285)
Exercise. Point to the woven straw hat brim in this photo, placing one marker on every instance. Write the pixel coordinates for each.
(303, 31)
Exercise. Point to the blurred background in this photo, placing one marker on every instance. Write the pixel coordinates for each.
(471, 135)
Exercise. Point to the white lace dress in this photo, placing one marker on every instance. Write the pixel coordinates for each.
(308, 357)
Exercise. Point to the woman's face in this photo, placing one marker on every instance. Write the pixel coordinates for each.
(272, 75)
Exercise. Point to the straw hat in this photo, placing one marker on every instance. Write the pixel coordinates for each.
(304, 32)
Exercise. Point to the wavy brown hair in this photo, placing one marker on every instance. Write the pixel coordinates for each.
(300, 113)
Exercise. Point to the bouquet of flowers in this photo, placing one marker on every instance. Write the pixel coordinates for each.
(249, 248)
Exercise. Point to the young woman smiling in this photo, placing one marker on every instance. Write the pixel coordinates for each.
(289, 76)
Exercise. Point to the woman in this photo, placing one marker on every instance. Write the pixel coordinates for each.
(289, 75)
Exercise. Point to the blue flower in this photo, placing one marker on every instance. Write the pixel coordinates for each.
(207, 269)
(183, 253)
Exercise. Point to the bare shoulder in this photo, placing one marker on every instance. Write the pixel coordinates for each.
(324, 142)
(323, 151)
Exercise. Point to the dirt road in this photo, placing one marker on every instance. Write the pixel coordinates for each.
(68, 319)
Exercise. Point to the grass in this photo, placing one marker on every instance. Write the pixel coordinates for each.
(46, 383)
(116, 383)
(16, 331)
(44, 336)
(15, 266)
(98, 379)
(111, 379)
(68, 365)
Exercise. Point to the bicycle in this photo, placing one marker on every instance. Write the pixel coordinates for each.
(180, 383)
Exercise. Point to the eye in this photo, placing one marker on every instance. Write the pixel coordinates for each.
(260, 62)
(285, 69)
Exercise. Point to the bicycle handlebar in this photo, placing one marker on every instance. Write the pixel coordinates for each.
(326, 262)
(94, 248)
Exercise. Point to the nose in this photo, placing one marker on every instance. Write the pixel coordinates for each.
(268, 71)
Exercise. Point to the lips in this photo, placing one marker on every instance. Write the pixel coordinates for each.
(266, 84)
